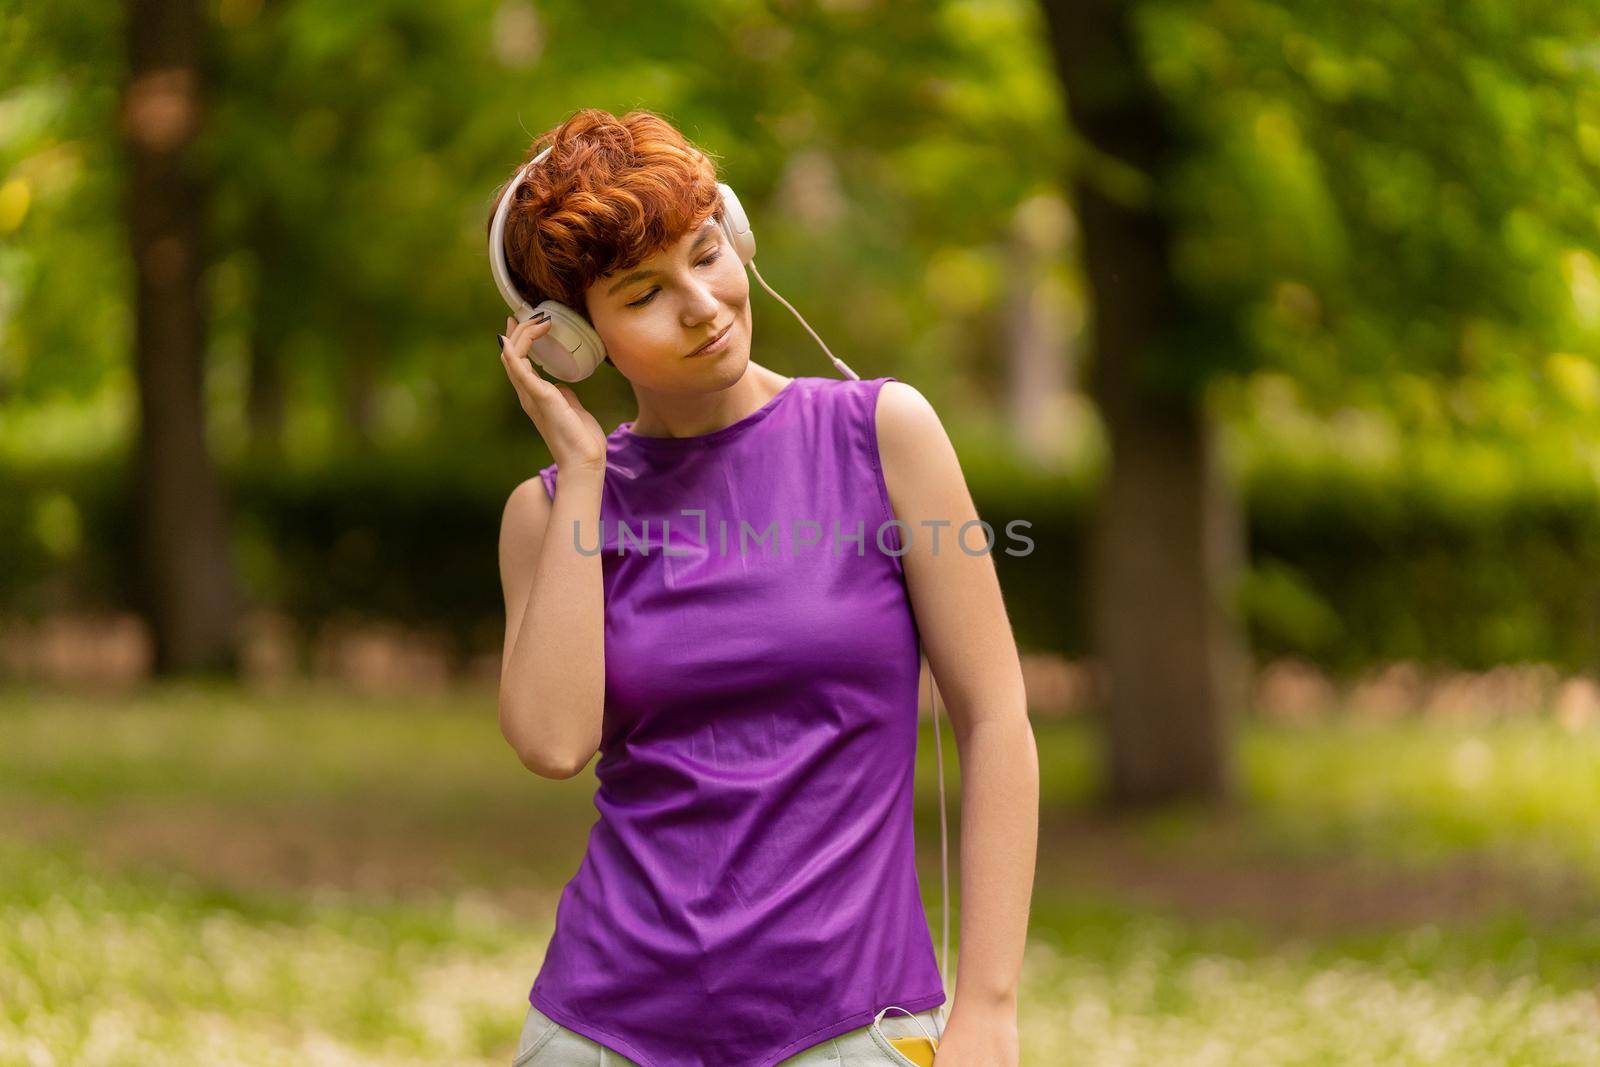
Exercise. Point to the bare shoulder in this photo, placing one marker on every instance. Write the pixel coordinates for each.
(522, 527)
(920, 466)
(528, 505)
(905, 415)
(911, 436)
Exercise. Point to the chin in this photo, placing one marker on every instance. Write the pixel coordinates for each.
(730, 370)
(730, 366)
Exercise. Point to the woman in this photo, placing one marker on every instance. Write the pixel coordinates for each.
(749, 895)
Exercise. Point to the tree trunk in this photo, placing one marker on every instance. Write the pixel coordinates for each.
(1163, 536)
(1038, 356)
(188, 587)
(266, 401)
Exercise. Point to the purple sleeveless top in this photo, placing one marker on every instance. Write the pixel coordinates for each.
(749, 889)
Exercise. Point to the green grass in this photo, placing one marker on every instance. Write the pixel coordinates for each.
(1408, 793)
(143, 969)
(1420, 791)
(203, 876)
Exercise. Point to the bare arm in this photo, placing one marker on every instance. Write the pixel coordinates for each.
(967, 635)
(552, 670)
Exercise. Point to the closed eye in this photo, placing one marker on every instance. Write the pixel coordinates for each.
(645, 299)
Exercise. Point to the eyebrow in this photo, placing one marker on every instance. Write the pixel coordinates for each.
(707, 231)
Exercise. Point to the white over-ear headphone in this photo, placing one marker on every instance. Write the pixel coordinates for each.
(571, 349)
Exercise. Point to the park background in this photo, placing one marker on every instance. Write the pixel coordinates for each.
(1278, 320)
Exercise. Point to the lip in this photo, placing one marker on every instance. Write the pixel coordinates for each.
(716, 344)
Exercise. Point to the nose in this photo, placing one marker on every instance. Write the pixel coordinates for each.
(700, 304)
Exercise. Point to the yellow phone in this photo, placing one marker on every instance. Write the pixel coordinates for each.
(919, 1050)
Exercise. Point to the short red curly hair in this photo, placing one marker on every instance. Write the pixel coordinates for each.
(613, 192)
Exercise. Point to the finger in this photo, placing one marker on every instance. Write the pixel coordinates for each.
(510, 363)
(515, 359)
(521, 339)
(542, 319)
(523, 374)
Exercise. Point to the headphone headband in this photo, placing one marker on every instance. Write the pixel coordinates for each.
(497, 243)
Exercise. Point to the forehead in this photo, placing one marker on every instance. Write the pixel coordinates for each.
(693, 235)
(618, 278)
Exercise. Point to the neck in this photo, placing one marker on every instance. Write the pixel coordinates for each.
(693, 414)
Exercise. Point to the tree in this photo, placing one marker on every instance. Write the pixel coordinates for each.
(188, 585)
(1165, 531)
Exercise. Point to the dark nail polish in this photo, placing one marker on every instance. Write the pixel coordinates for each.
(502, 338)
(541, 316)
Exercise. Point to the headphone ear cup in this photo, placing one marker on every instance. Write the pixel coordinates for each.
(736, 226)
(570, 350)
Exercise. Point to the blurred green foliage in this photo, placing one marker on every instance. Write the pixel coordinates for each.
(353, 152)
(1402, 188)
